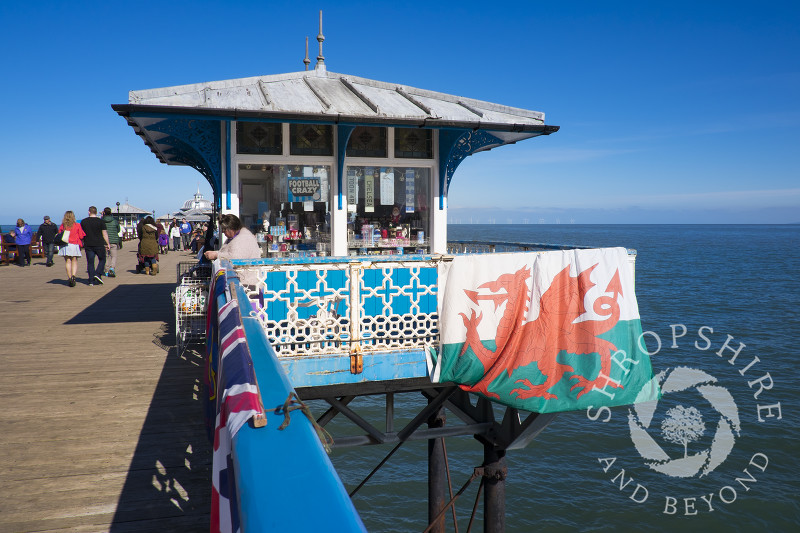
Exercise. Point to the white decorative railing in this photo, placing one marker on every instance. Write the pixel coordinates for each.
(330, 307)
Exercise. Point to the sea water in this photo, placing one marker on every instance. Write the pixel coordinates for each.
(732, 281)
(729, 284)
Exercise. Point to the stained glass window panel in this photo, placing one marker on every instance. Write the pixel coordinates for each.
(258, 138)
(367, 141)
(413, 143)
(311, 139)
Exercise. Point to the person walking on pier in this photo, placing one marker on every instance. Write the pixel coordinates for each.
(186, 233)
(72, 251)
(175, 235)
(112, 228)
(23, 234)
(148, 246)
(95, 243)
(46, 234)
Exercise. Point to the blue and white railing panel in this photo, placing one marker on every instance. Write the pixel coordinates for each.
(329, 307)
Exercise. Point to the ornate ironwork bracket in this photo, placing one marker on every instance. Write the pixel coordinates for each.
(454, 146)
(195, 143)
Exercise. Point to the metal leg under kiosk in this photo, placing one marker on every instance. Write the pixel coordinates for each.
(494, 495)
(437, 475)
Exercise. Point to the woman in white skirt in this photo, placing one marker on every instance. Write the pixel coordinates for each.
(72, 251)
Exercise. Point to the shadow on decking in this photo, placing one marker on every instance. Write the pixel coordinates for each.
(168, 487)
(168, 484)
(130, 303)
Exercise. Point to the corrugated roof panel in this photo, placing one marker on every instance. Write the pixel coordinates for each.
(390, 102)
(448, 110)
(495, 117)
(293, 96)
(195, 98)
(243, 97)
(342, 99)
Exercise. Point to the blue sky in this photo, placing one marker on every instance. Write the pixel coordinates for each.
(669, 112)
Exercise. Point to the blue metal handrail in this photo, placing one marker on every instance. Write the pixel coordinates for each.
(284, 478)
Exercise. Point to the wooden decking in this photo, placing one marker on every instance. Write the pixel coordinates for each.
(102, 426)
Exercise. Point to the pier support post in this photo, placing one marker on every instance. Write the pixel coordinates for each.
(437, 475)
(494, 493)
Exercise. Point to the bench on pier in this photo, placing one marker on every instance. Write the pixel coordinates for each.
(8, 251)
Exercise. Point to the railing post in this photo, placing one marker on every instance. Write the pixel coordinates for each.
(355, 305)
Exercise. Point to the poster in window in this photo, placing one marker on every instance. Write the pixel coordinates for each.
(369, 190)
(387, 186)
(352, 189)
(307, 188)
(410, 179)
(322, 174)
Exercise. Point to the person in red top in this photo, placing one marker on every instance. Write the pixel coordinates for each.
(72, 251)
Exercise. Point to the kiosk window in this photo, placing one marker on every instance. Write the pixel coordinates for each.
(276, 199)
(392, 202)
(367, 141)
(311, 139)
(413, 143)
(259, 138)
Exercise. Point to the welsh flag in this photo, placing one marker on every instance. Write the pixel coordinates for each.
(543, 331)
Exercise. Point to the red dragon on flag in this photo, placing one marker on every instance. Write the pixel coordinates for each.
(573, 345)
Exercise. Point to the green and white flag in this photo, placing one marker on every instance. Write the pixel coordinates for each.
(543, 331)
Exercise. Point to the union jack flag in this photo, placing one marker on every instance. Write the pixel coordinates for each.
(237, 399)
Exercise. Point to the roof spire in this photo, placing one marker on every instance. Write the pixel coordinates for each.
(320, 58)
(306, 60)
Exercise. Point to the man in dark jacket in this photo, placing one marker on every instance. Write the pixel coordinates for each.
(46, 234)
(95, 243)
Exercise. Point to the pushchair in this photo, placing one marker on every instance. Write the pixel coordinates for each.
(146, 265)
(163, 243)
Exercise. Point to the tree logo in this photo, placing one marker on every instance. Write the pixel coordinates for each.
(684, 426)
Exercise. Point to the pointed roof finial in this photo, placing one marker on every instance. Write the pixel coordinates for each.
(320, 58)
(307, 61)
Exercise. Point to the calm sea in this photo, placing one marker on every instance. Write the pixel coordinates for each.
(735, 281)
(5, 228)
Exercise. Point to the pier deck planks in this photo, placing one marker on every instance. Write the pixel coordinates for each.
(102, 420)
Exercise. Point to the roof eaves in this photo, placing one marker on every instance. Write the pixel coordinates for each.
(130, 111)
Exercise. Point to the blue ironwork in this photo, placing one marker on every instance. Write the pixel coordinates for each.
(454, 146)
(318, 371)
(195, 143)
(324, 308)
(259, 455)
